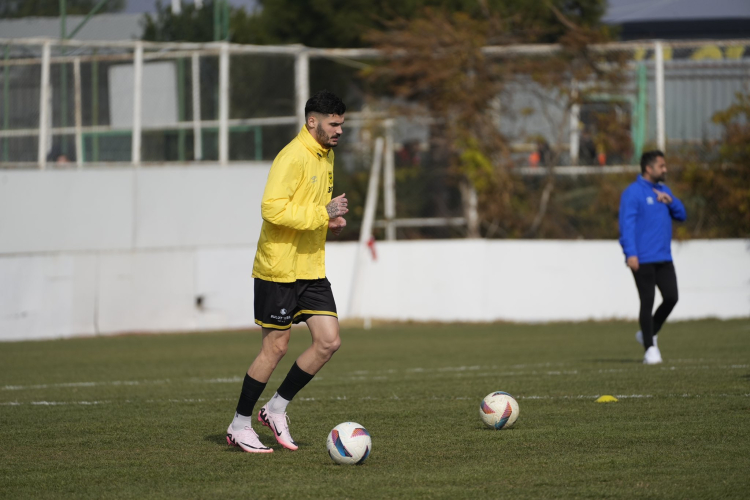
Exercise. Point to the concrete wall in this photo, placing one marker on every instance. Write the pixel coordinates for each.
(130, 209)
(533, 281)
(108, 251)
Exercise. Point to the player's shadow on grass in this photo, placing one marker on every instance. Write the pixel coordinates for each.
(221, 440)
(617, 360)
(216, 438)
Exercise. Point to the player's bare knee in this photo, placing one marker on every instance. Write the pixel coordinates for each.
(326, 347)
(276, 350)
(336, 344)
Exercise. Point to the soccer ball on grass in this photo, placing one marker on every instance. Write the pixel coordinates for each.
(499, 410)
(349, 443)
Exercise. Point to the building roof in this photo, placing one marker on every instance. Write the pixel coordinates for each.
(628, 11)
(686, 19)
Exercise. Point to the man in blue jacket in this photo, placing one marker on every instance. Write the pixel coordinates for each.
(647, 208)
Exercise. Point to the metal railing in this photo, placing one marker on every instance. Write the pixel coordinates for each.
(45, 54)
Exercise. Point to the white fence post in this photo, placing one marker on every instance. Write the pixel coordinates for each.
(575, 119)
(660, 121)
(78, 112)
(197, 130)
(365, 233)
(44, 107)
(389, 183)
(301, 83)
(135, 154)
(224, 104)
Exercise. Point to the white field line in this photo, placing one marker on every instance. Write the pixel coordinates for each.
(368, 398)
(379, 375)
(85, 384)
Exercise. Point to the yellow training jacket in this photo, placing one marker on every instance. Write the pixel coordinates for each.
(295, 221)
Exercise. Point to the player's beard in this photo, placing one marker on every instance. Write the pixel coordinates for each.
(324, 138)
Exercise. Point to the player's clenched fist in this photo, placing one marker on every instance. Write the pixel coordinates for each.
(336, 225)
(338, 206)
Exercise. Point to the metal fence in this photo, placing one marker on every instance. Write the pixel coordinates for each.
(76, 104)
(140, 102)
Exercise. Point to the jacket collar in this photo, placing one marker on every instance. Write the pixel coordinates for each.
(646, 181)
(311, 144)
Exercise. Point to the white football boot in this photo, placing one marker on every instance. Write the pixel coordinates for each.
(652, 356)
(278, 423)
(639, 338)
(247, 440)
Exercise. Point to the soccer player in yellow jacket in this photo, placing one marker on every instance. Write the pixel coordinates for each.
(289, 270)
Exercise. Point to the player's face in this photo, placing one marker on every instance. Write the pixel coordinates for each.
(327, 129)
(658, 171)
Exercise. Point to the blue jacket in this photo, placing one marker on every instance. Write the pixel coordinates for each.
(646, 224)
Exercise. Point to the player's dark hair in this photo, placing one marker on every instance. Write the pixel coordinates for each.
(649, 158)
(325, 103)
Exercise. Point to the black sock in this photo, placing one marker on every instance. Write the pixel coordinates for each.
(295, 380)
(251, 391)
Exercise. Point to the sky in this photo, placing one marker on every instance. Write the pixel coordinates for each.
(138, 6)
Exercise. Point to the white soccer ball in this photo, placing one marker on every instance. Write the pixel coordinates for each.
(499, 410)
(349, 443)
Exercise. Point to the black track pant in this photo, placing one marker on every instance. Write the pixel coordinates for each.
(647, 278)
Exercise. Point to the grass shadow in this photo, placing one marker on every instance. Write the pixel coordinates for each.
(216, 438)
(615, 360)
(221, 440)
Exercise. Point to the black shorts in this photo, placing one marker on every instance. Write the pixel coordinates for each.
(278, 305)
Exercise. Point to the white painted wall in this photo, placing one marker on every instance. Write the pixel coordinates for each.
(107, 251)
(533, 281)
(130, 209)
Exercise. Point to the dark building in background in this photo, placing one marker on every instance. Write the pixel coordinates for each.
(680, 19)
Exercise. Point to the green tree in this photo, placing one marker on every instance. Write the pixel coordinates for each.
(344, 23)
(717, 193)
(26, 8)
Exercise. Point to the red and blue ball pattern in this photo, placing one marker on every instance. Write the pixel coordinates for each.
(360, 431)
(486, 408)
(339, 445)
(504, 417)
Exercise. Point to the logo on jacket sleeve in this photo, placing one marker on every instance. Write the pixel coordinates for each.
(330, 178)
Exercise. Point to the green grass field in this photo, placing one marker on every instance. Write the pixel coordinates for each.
(145, 416)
